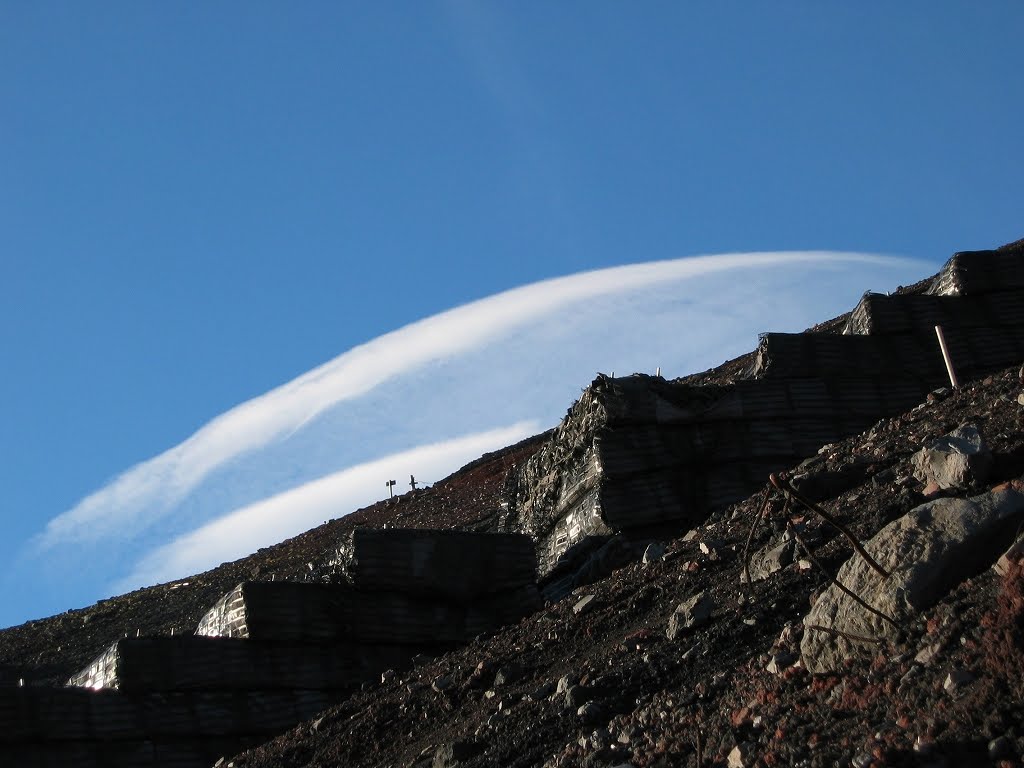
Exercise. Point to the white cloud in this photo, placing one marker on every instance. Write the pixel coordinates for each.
(287, 514)
(519, 356)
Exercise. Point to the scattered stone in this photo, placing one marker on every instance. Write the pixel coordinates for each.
(565, 683)
(508, 674)
(591, 711)
(689, 615)
(771, 560)
(442, 683)
(585, 605)
(690, 535)
(957, 680)
(780, 662)
(387, 675)
(999, 748)
(710, 547)
(655, 551)
(742, 755)
(541, 693)
(455, 753)
(927, 654)
(1014, 553)
(954, 460)
(577, 696)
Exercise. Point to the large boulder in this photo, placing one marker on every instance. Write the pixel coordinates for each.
(954, 460)
(928, 551)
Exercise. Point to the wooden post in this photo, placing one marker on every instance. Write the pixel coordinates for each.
(391, 488)
(945, 356)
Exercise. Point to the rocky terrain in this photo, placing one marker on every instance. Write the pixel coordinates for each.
(698, 649)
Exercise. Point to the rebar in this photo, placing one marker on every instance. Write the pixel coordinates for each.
(788, 489)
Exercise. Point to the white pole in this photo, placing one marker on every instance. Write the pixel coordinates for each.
(945, 356)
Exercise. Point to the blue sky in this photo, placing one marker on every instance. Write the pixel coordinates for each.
(200, 203)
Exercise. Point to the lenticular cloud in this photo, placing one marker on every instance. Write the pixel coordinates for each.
(517, 357)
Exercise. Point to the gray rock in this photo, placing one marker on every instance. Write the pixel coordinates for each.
(771, 559)
(927, 654)
(957, 680)
(954, 460)
(455, 753)
(655, 551)
(442, 683)
(508, 674)
(1000, 748)
(689, 615)
(577, 696)
(780, 662)
(1014, 553)
(541, 693)
(928, 551)
(591, 712)
(565, 683)
(742, 755)
(585, 605)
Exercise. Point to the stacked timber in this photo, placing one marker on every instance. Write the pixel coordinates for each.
(979, 272)
(271, 654)
(640, 452)
(197, 663)
(455, 565)
(435, 589)
(43, 727)
(332, 613)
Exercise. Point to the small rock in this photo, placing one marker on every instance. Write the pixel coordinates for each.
(541, 693)
(455, 753)
(1014, 553)
(591, 711)
(710, 547)
(926, 654)
(954, 460)
(691, 614)
(742, 755)
(577, 696)
(655, 551)
(1020, 399)
(780, 662)
(442, 683)
(957, 680)
(690, 535)
(387, 675)
(771, 560)
(585, 604)
(565, 683)
(508, 674)
(1000, 748)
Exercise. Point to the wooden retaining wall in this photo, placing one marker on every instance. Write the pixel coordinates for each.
(196, 663)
